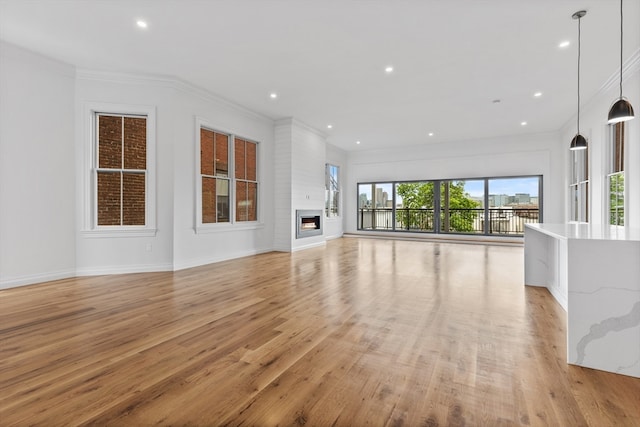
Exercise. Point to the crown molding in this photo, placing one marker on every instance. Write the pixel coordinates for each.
(293, 122)
(629, 67)
(168, 82)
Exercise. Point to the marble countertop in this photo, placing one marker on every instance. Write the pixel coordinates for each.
(587, 231)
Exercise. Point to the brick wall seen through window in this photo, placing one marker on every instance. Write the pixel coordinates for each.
(121, 170)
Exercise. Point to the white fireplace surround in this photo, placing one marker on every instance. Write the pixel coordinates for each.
(308, 223)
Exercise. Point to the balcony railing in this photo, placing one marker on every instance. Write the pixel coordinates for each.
(499, 220)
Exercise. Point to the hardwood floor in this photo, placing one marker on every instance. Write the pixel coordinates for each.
(362, 332)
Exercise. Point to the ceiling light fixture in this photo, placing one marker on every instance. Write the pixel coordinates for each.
(537, 94)
(430, 133)
(621, 110)
(523, 123)
(329, 126)
(388, 70)
(578, 142)
(273, 95)
(358, 142)
(142, 24)
(564, 44)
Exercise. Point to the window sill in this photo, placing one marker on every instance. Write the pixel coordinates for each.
(221, 228)
(119, 232)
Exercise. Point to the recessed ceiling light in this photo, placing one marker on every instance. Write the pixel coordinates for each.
(537, 94)
(357, 142)
(564, 44)
(329, 126)
(388, 70)
(523, 123)
(273, 95)
(430, 133)
(142, 24)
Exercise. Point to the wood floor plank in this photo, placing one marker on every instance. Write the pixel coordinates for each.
(360, 332)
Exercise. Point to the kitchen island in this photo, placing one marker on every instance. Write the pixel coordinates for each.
(594, 274)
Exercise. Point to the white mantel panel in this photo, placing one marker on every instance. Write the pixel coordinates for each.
(308, 158)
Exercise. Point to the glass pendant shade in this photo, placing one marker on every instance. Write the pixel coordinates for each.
(620, 111)
(578, 142)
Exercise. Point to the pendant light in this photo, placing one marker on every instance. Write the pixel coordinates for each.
(621, 110)
(578, 142)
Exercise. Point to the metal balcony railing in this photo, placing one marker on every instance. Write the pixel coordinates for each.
(500, 221)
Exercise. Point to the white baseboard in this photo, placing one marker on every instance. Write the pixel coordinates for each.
(197, 262)
(31, 279)
(309, 246)
(124, 269)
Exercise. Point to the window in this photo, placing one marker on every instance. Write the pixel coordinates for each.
(615, 174)
(121, 171)
(226, 179)
(332, 190)
(245, 153)
(214, 170)
(461, 206)
(375, 206)
(513, 202)
(489, 206)
(119, 186)
(579, 186)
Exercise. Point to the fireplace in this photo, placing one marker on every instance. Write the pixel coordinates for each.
(308, 223)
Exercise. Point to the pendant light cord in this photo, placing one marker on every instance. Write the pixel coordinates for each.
(620, 49)
(578, 124)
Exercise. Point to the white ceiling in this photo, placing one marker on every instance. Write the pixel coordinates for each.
(326, 58)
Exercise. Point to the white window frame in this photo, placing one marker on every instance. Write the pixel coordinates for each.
(215, 227)
(327, 198)
(579, 188)
(610, 153)
(90, 221)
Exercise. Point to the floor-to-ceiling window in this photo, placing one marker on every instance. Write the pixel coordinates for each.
(489, 206)
(513, 202)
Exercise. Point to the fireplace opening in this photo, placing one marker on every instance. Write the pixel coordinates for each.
(308, 223)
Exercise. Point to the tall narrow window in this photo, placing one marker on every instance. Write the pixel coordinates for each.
(579, 186)
(121, 170)
(214, 170)
(615, 175)
(246, 179)
(332, 190)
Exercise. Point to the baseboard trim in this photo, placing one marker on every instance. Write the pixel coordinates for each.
(32, 279)
(123, 269)
(197, 262)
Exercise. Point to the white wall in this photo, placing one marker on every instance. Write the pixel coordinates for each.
(508, 156)
(334, 227)
(104, 255)
(593, 125)
(37, 168)
(191, 248)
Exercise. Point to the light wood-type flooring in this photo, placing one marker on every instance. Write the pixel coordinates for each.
(360, 332)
